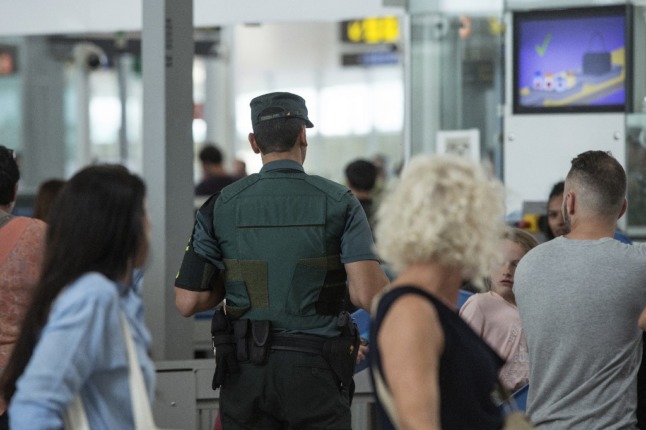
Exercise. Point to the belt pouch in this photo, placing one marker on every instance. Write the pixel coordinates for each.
(261, 335)
(240, 331)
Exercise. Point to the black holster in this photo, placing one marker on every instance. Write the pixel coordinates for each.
(223, 347)
(341, 352)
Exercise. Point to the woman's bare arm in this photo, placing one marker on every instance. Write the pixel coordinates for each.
(411, 342)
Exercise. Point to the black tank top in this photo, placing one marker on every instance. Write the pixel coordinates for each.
(468, 369)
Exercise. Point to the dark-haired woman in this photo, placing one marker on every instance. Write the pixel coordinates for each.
(553, 224)
(72, 342)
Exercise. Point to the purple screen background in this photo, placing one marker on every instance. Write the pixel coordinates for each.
(571, 39)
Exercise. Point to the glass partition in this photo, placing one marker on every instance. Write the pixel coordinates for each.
(77, 99)
(456, 80)
(636, 174)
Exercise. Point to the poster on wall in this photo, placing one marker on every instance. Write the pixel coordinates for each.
(465, 143)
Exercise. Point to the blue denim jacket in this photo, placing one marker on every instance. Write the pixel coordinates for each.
(81, 349)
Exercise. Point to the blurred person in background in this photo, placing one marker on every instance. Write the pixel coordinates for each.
(214, 176)
(47, 192)
(552, 223)
(22, 245)
(360, 177)
(239, 169)
(494, 314)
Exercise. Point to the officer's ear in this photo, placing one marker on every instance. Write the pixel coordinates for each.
(303, 136)
(252, 142)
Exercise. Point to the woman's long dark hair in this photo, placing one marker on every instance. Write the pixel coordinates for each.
(544, 225)
(96, 224)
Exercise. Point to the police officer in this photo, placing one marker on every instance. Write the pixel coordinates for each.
(281, 247)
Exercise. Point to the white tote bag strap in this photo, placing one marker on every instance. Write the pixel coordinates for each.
(75, 417)
(141, 409)
(382, 391)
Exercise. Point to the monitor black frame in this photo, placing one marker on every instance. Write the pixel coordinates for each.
(625, 10)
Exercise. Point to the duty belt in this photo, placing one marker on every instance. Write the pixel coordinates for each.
(244, 340)
(299, 343)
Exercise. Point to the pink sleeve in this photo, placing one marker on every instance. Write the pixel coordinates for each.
(472, 313)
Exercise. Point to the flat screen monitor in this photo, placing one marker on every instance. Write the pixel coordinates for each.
(572, 60)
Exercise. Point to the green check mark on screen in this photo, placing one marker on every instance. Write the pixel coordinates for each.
(542, 48)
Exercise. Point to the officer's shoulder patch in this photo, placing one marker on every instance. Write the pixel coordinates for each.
(331, 188)
(238, 186)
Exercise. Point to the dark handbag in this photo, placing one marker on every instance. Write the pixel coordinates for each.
(596, 62)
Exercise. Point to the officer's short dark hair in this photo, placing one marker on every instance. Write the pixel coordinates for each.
(210, 154)
(361, 175)
(9, 175)
(277, 135)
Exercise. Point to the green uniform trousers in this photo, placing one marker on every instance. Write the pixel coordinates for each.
(294, 390)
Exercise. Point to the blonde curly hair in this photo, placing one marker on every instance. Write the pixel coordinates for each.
(445, 209)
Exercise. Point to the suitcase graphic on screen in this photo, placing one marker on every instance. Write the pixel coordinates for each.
(596, 62)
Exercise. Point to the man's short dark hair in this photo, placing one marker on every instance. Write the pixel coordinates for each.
(211, 154)
(602, 177)
(9, 175)
(277, 135)
(361, 175)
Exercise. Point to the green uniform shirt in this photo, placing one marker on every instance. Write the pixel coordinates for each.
(282, 237)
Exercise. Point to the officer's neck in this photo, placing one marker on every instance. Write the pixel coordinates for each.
(295, 154)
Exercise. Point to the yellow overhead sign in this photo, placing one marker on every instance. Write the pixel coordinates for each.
(371, 30)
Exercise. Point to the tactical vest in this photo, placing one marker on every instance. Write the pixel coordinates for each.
(280, 237)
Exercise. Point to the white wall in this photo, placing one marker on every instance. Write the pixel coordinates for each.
(538, 149)
(457, 7)
(291, 48)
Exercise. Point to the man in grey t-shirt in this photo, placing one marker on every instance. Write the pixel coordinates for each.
(582, 301)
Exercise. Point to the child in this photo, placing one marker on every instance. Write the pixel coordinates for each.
(494, 316)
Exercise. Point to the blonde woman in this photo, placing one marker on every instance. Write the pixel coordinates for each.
(437, 228)
(494, 314)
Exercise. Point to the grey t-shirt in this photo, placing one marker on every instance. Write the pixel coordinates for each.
(579, 303)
